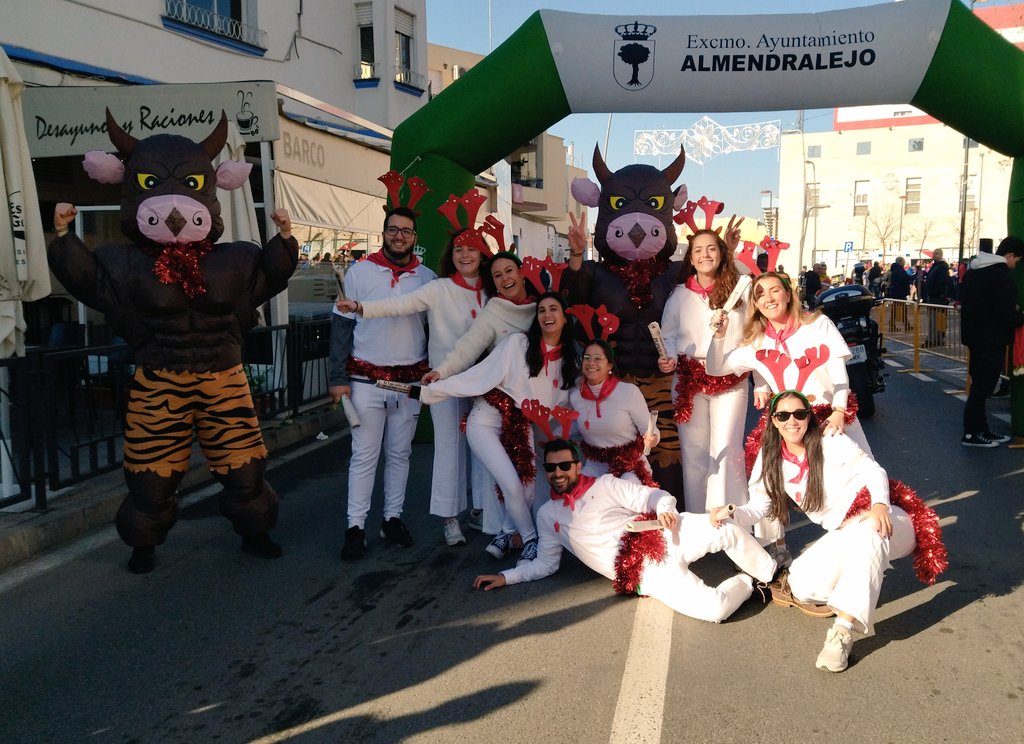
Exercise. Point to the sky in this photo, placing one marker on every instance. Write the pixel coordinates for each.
(738, 179)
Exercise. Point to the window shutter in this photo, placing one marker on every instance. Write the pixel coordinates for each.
(404, 22)
(364, 14)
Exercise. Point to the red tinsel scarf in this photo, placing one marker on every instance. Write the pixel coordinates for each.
(514, 437)
(693, 378)
(638, 277)
(625, 458)
(635, 550)
(930, 557)
(179, 264)
(397, 373)
(821, 411)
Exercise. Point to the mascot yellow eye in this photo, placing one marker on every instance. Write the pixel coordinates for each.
(148, 181)
(656, 202)
(617, 202)
(195, 182)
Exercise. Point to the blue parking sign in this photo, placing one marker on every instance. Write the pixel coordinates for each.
(848, 246)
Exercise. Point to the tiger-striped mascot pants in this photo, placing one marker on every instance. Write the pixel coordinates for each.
(164, 408)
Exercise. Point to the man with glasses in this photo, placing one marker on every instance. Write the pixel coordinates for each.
(363, 351)
(589, 517)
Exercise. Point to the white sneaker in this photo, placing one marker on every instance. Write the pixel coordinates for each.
(453, 533)
(835, 653)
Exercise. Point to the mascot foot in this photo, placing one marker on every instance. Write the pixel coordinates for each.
(143, 560)
(261, 546)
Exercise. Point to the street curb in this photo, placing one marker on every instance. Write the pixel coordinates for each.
(93, 504)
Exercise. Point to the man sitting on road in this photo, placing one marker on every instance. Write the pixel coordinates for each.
(588, 516)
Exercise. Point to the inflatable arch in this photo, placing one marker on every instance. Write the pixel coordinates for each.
(933, 54)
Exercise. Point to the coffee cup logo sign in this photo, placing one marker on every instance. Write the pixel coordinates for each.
(246, 118)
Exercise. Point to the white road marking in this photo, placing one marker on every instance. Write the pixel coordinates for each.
(892, 363)
(641, 703)
(921, 376)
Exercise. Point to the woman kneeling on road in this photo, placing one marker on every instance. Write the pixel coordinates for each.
(840, 487)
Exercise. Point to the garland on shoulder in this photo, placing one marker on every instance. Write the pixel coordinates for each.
(930, 557)
(821, 412)
(638, 276)
(622, 459)
(693, 378)
(515, 437)
(635, 550)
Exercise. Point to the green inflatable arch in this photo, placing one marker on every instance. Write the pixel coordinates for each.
(933, 54)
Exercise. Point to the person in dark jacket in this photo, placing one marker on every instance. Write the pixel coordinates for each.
(988, 315)
(812, 285)
(899, 280)
(936, 292)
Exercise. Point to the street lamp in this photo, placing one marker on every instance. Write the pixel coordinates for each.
(770, 213)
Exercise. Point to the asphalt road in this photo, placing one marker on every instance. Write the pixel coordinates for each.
(218, 646)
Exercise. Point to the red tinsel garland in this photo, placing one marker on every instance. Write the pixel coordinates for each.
(693, 378)
(638, 277)
(625, 458)
(179, 264)
(515, 437)
(397, 373)
(822, 411)
(930, 557)
(635, 550)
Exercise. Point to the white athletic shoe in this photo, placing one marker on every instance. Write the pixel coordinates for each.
(453, 533)
(835, 654)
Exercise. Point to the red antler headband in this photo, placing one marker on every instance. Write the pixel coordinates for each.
(533, 268)
(710, 208)
(393, 181)
(472, 236)
(585, 314)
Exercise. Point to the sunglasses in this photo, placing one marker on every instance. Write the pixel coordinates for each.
(783, 416)
(551, 467)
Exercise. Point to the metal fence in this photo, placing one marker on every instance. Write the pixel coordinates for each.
(62, 409)
(928, 329)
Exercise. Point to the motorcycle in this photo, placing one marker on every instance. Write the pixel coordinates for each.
(849, 307)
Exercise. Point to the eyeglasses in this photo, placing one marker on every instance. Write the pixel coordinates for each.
(565, 467)
(406, 232)
(588, 358)
(783, 416)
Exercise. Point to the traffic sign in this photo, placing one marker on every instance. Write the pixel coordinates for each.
(848, 246)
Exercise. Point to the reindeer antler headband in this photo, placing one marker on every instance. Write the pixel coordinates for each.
(393, 181)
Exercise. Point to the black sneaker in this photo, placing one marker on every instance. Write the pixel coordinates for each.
(143, 560)
(1003, 391)
(261, 546)
(997, 438)
(394, 531)
(978, 440)
(355, 544)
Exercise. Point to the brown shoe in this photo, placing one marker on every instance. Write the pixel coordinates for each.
(1017, 443)
(782, 595)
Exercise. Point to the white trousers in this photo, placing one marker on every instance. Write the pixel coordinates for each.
(672, 582)
(714, 472)
(844, 567)
(388, 423)
(451, 457)
(483, 430)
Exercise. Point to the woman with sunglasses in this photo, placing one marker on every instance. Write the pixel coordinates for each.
(539, 366)
(613, 420)
(840, 487)
(788, 349)
(709, 409)
(451, 304)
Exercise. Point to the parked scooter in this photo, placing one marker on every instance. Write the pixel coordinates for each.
(849, 307)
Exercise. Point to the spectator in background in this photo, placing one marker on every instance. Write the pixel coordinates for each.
(988, 316)
(875, 279)
(812, 285)
(899, 280)
(936, 292)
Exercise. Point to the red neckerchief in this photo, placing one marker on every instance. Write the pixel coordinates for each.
(794, 460)
(179, 264)
(396, 271)
(780, 336)
(460, 281)
(525, 301)
(606, 389)
(694, 286)
(569, 499)
(550, 354)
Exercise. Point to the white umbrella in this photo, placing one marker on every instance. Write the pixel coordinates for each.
(24, 274)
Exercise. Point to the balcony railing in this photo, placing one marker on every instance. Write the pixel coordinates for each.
(365, 71)
(405, 76)
(214, 23)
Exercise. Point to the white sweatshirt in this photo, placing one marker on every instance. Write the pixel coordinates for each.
(499, 318)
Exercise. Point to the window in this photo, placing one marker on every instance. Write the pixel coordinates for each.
(863, 148)
(912, 196)
(860, 198)
(969, 200)
(915, 145)
(367, 68)
(405, 25)
(814, 151)
(813, 192)
(222, 21)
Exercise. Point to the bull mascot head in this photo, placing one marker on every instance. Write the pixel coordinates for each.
(635, 205)
(168, 184)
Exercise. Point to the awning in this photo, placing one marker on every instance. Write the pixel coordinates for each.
(323, 205)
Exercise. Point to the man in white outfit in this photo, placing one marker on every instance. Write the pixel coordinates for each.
(588, 517)
(365, 350)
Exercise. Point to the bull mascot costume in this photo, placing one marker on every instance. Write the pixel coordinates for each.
(183, 303)
(635, 238)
